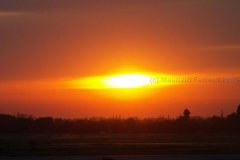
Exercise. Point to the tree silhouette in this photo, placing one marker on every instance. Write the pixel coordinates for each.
(43, 124)
(186, 114)
(238, 111)
(182, 124)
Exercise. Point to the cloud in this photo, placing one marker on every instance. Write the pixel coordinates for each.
(43, 5)
(10, 14)
(223, 47)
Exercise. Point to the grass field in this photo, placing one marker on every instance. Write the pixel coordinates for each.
(118, 144)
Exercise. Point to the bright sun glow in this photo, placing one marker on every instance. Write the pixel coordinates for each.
(127, 81)
(124, 81)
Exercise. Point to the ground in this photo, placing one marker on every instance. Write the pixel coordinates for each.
(118, 144)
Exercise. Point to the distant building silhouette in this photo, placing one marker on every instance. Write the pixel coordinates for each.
(222, 114)
(23, 115)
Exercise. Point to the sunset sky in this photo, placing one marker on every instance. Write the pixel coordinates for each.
(58, 57)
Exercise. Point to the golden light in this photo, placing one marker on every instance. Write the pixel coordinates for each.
(123, 86)
(127, 81)
(123, 81)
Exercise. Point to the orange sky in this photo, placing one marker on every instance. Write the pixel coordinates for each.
(45, 45)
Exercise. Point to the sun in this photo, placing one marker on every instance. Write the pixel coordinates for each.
(121, 81)
(127, 81)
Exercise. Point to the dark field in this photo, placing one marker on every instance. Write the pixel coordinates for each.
(118, 144)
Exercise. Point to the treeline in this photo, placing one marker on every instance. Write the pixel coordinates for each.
(182, 124)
